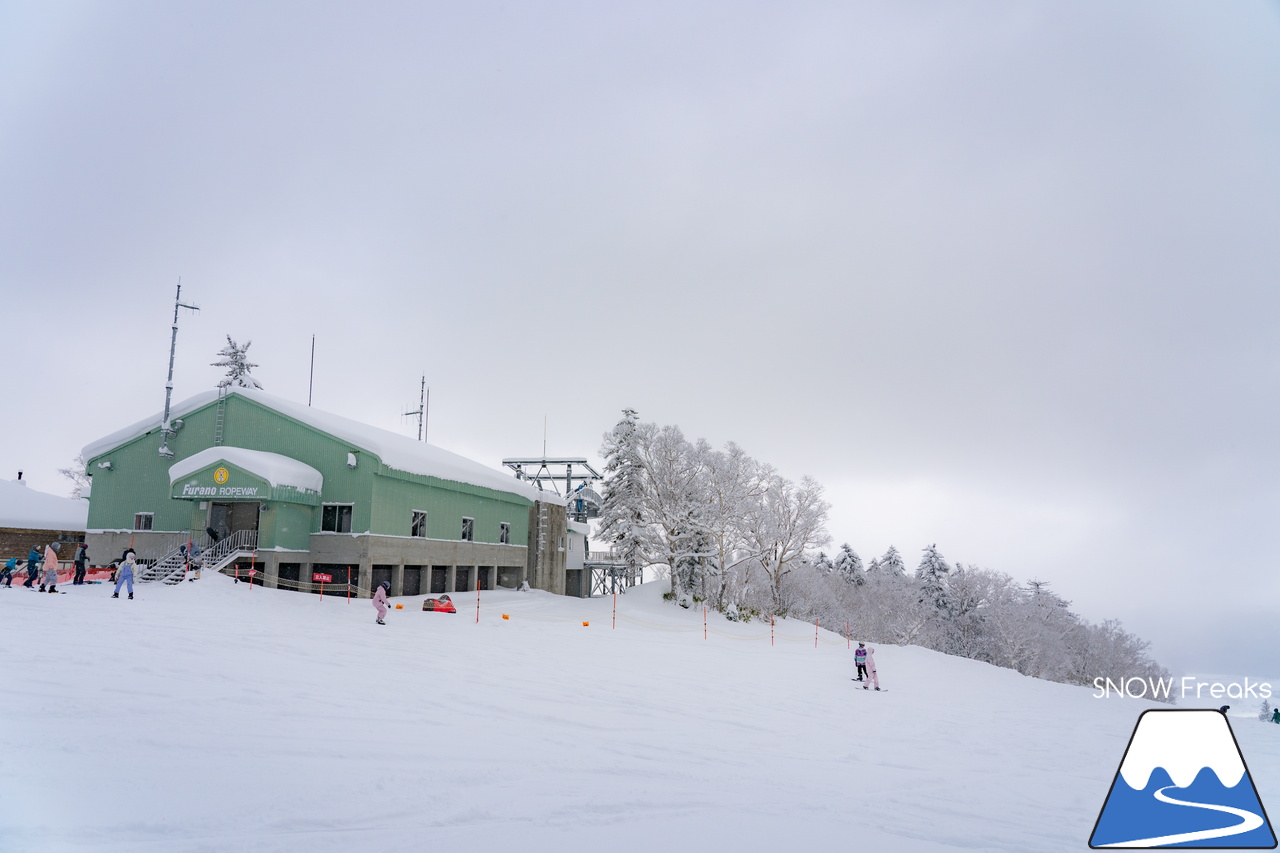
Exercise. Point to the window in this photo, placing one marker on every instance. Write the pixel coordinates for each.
(418, 527)
(143, 520)
(504, 533)
(336, 518)
(468, 529)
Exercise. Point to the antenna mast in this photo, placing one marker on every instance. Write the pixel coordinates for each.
(166, 429)
(423, 395)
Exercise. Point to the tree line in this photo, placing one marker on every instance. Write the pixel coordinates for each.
(732, 532)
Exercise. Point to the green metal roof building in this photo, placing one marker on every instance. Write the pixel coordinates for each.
(299, 495)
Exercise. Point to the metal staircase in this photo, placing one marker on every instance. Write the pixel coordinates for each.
(171, 568)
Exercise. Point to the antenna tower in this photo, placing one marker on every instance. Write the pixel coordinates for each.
(424, 396)
(166, 429)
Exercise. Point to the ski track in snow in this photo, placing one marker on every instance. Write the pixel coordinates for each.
(213, 717)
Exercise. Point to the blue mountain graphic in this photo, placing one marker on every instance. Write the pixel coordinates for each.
(1130, 814)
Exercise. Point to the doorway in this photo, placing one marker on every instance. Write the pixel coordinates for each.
(227, 518)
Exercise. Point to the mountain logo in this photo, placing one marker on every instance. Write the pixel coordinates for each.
(1183, 783)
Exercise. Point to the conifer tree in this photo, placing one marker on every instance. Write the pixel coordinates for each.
(235, 359)
(891, 563)
(622, 523)
(849, 565)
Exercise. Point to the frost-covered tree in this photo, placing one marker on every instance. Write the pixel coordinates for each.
(734, 483)
(788, 520)
(849, 565)
(891, 563)
(622, 523)
(932, 573)
(1264, 713)
(78, 475)
(235, 360)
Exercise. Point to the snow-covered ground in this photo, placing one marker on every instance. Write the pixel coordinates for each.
(213, 716)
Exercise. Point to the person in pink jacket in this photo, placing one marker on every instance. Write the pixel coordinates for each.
(50, 568)
(872, 678)
(380, 601)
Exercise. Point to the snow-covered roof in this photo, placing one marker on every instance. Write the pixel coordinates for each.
(396, 451)
(23, 507)
(275, 469)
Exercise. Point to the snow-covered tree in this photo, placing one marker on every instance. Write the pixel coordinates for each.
(78, 476)
(1264, 713)
(932, 573)
(788, 520)
(734, 483)
(235, 360)
(891, 563)
(622, 524)
(849, 566)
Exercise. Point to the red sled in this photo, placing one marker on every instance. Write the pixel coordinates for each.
(439, 605)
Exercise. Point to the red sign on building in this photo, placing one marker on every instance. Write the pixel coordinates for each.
(320, 577)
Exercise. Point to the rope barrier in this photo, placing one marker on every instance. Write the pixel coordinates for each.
(774, 635)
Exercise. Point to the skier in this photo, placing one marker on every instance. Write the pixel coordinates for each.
(1275, 715)
(860, 658)
(33, 566)
(872, 678)
(125, 573)
(82, 560)
(50, 567)
(380, 601)
(6, 574)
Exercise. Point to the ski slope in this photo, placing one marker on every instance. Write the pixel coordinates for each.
(212, 716)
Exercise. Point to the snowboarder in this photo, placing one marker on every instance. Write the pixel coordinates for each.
(33, 567)
(82, 561)
(872, 678)
(380, 601)
(50, 567)
(1275, 715)
(9, 568)
(860, 658)
(125, 573)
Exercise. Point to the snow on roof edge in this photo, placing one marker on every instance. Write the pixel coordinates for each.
(397, 452)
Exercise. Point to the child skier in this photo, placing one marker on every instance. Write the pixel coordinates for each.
(872, 678)
(82, 563)
(9, 568)
(1275, 715)
(50, 568)
(33, 567)
(380, 601)
(860, 658)
(125, 573)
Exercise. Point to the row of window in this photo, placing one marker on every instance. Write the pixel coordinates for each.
(336, 518)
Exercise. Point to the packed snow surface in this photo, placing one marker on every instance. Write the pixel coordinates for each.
(23, 507)
(396, 451)
(275, 469)
(214, 716)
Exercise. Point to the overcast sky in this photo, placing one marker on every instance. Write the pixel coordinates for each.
(1002, 276)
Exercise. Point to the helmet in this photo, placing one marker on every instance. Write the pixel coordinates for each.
(386, 585)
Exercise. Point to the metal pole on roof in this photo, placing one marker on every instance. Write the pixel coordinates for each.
(311, 381)
(165, 429)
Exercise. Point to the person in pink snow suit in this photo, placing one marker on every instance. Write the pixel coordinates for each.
(50, 568)
(380, 601)
(872, 678)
